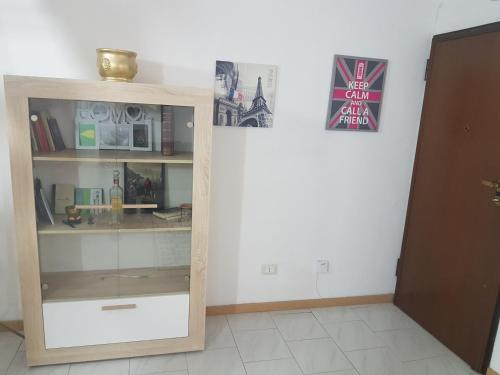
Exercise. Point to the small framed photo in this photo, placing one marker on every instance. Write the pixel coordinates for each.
(86, 136)
(114, 136)
(141, 136)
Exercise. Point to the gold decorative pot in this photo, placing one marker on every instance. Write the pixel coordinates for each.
(116, 64)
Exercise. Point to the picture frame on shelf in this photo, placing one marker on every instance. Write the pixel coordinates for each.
(114, 136)
(141, 136)
(144, 184)
(87, 135)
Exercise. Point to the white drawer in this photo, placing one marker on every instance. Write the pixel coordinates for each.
(107, 321)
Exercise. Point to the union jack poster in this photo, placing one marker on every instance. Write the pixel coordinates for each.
(356, 93)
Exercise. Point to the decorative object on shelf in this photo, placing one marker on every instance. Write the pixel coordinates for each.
(141, 136)
(244, 94)
(114, 136)
(116, 64)
(116, 197)
(73, 214)
(176, 214)
(171, 214)
(89, 197)
(115, 126)
(41, 204)
(167, 130)
(86, 136)
(356, 93)
(186, 211)
(144, 184)
(62, 195)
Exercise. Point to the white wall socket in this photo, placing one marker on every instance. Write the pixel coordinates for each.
(269, 269)
(322, 266)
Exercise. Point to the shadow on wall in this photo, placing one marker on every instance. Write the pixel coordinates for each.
(228, 160)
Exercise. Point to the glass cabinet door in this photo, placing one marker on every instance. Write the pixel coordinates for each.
(113, 211)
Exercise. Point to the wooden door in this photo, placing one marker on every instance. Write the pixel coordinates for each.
(449, 271)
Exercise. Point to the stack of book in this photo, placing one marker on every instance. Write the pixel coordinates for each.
(45, 133)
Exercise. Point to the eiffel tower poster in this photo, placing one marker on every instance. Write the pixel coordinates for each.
(244, 94)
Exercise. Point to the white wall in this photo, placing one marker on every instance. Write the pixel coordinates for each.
(461, 14)
(287, 195)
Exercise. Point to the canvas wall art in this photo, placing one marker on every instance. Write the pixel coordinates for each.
(356, 93)
(244, 94)
(144, 184)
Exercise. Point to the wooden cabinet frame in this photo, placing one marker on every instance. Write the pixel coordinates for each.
(18, 90)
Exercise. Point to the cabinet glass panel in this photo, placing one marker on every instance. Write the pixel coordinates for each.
(113, 210)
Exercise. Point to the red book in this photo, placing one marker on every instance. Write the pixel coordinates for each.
(40, 132)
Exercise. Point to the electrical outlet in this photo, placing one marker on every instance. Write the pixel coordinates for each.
(322, 266)
(269, 269)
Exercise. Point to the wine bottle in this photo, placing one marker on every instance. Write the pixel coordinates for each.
(116, 196)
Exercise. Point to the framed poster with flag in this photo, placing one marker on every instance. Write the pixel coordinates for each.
(356, 93)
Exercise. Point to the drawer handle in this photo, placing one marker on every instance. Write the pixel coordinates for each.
(119, 307)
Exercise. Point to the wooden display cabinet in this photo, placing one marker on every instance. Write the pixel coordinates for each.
(106, 290)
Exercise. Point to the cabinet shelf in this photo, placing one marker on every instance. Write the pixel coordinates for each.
(131, 223)
(112, 156)
(83, 285)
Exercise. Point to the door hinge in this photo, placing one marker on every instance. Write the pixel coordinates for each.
(427, 69)
(397, 267)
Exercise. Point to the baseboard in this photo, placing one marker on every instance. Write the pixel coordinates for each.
(17, 325)
(491, 372)
(298, 304)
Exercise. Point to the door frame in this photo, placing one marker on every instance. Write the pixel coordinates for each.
(473, 31)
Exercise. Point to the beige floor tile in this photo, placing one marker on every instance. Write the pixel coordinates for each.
(384, 317)
(261, 345)
(218, 334)
(355, 335)
(318, 355)
(19, 367)
(113, 367)
(157, 363)
(412, 344)
(335, 315)
(249, 321)
(225, 361)
(9, 345)
(274, 367)
(379, 361)
(299, 326)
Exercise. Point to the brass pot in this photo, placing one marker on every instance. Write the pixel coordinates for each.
(116, 64)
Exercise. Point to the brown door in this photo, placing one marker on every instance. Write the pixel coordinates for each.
(449, 271)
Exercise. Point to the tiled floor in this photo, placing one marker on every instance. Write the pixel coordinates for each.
(358, 340)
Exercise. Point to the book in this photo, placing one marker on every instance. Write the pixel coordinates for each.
(43, 116)
(167, 130)
(34, 142)
(171, 214)
(63, 195)
(42, 208)
(82, 196)
(56, 134)
(46, 207)
(40, 132)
